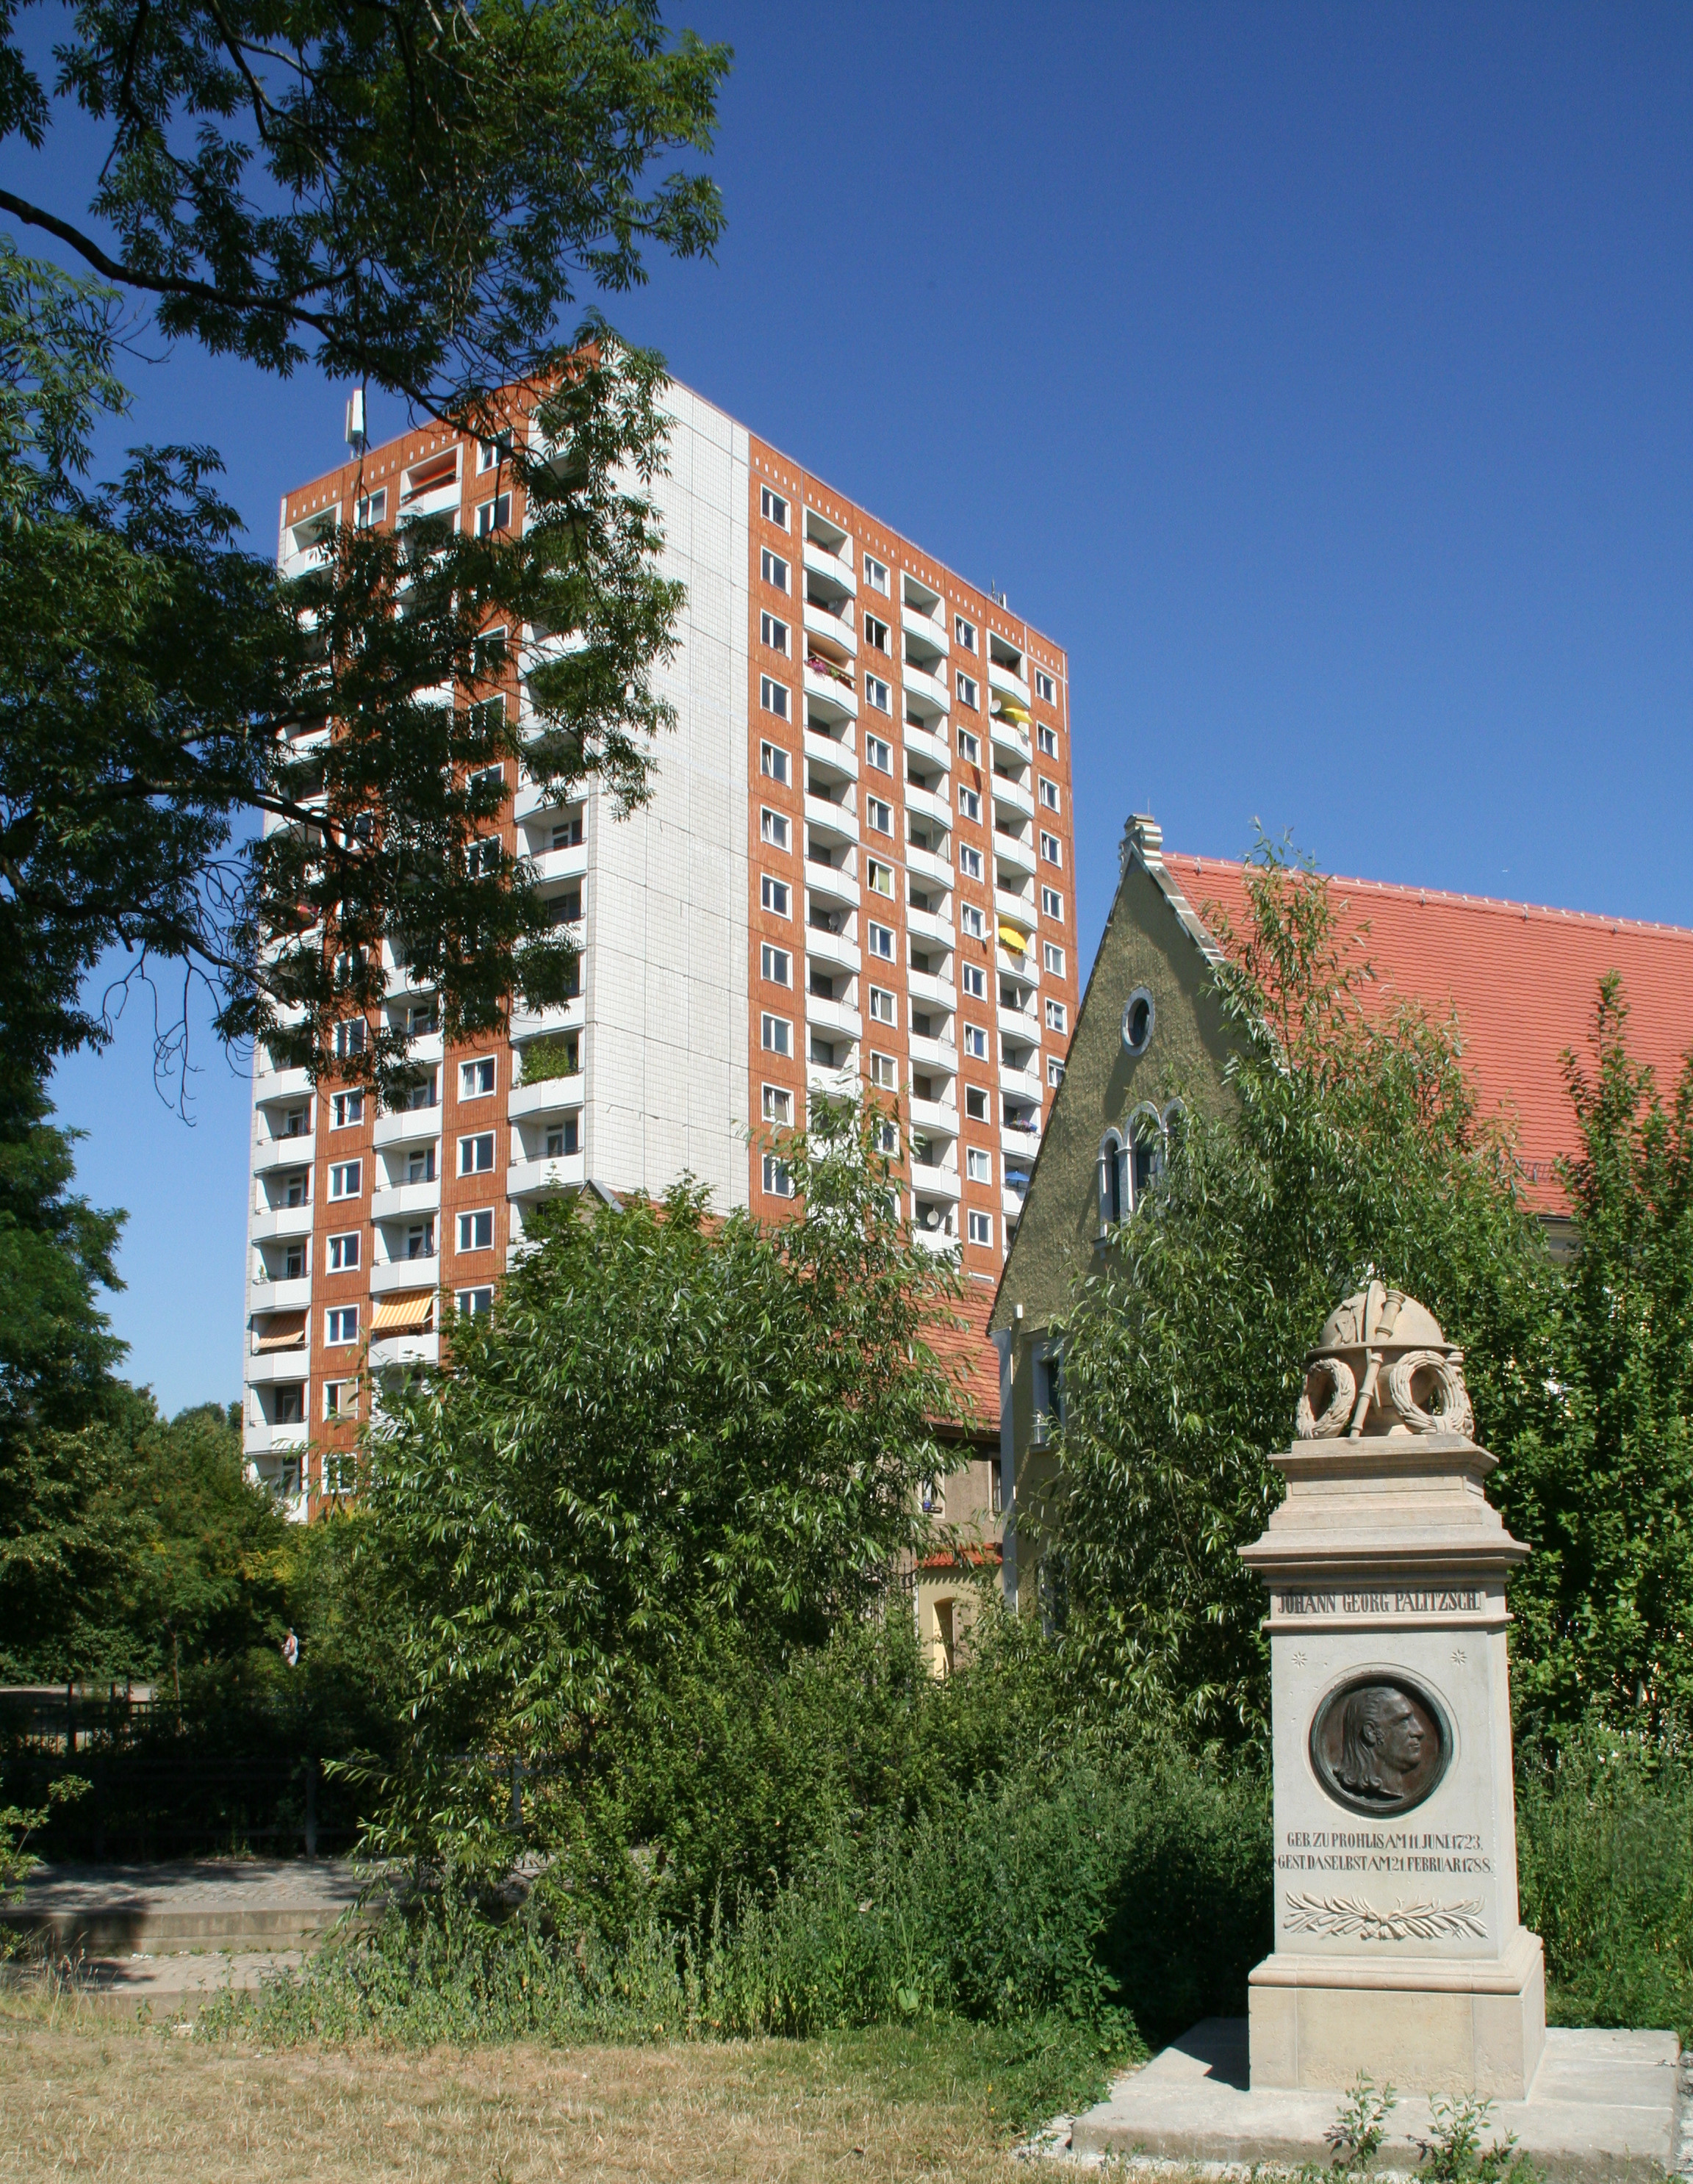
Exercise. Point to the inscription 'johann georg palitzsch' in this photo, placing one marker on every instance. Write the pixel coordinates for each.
(1380, 1603)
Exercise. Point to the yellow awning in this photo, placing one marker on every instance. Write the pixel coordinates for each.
(1010, 937)
(1013, 711)
(283, 1330)
(409, 1314)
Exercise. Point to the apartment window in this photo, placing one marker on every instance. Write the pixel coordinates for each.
(1045, 688)
(882, 1008)
(481, 858)
(488, 778)
(294, 1262)
(476, 1155)
(876, 693)
(775, 570)
(345, 1109)
(884, 1073)
(773, 696)
(969, 804)
(1052, 848)
(568, 834)
(476, 1077)
(340, 1400)
(887, 1139)
(423, 1092)
(876, 574)
(966, 689)
(773, 828)
(875, 632)
(1055, 1071)
(778, 1182)
(1057, 1016)
(345, 1178)
(779, 1105)
(297, 1190)
(1052, 956)
(881, 941)
(975, 1042)
(969, 861)
(980, 1228)
(969, 746)
(970, 920)
(774, 633)
(475, 1231)
(421, 1019)
(289, 1410)
(350, 1038)
(371, 510)
(777, 966)
(877, 753)
(778, 1035)
(973, 980)
(474, 1304)
(494, 515)
(979, 1165)
(975, 1104)
(344, 1252)
(420, 1240)
(341, 1323)
(772, 508)
(775, 763)
(1047, 740)
(965, 632)
(563, 1140)
(1052, 903)
(878, 878)
(774, 894)
(419, 1167)
(1049, 793)
(878, 815)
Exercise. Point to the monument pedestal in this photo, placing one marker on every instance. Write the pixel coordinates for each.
(1398, 1950)
(1472, 2025)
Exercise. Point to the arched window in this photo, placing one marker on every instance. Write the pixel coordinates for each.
(1112, 1199)
(1146, 1154)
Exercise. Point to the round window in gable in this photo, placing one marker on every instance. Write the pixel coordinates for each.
(1137, 1021)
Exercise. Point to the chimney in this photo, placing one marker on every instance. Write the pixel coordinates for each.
(1144, 837)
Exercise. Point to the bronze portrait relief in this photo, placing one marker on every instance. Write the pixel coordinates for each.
(1380, 1744)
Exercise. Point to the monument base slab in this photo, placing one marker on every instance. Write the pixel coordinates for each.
(1602, 2105)
(1430, 2025)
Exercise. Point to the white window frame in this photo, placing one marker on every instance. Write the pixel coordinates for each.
(878, 815)
(969, 746)
(494, 515)
(883, 1072)
(775, 896)
(877, 754)
(778, 1177)
(777, 1106)
(776, 763)
(880, 941)
(1052, 958)
(978, 1164)
(774, 828)
(1049, 794)
(1057, 1017)
(879, 877)
(975, 1042)
(1045, 688)
(340, 1326)
(963, 632)
(1051, 850)
(979, 1227)
(883, 1008)
(338, 1172)
(341, 1261)
(967, 690)
(467, 1227)
(970, 920)
(469, 1087)
(346, 1111)
(774, 631)
(775, 1034)
(469, 1149)
(774, 569)
(473, 1303)
(973, 981)
(773, 507)
(775, 965)
(876, 575)
(878, 694)
(1052, 905)
(1046, 739)
(773, 696)
(969, 804)
(1054, 1070)
(969, 861)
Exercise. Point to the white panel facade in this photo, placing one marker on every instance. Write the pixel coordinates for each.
(665, 973)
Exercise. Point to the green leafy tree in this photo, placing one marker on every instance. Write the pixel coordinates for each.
(1349, 1146)
(292, 186)
(671, 1422)
(1604, 1487)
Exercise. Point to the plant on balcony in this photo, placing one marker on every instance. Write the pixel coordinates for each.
(558, 1055)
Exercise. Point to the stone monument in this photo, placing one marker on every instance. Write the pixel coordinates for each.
(1398, 1950)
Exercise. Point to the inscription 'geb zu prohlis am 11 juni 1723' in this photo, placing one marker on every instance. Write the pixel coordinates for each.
(1383, 1850)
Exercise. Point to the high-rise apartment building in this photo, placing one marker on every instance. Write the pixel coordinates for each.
(856, 870)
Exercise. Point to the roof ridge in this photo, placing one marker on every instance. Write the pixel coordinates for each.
(1406, 891)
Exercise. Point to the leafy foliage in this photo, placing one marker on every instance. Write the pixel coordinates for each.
(668, 1424)
(1349, 1146)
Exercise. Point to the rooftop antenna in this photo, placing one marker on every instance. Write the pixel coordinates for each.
(355, 420)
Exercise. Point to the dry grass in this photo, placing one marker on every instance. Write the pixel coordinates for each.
(84, 2098)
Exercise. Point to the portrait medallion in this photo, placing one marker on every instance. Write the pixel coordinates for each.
(1380, 1744)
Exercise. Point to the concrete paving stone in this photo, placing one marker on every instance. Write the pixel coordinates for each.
(1603, 2105)
(231, 1905)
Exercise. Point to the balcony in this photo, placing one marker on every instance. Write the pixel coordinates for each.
(834, 568)
(541, 1023)
(934, 993)
(830, 693)
(280, 1296)
(925, 631)
(401, 1201)
(545, 1179)
(931, 1118)
(928, 1182)
(411, 1126)
(828, 821)
(1007, 736)
(393, 1350)
(924, 865)
(284, 1152)
(925, 925)
(1010, 682)
(923, 803)
(833, 949)
(1021, 1142)
(832, 756)
(1016, 907)
(279, 1221)
(550, 1096)
(1012, 796)
(1014, 855)
(925, 695)
(933, 1057)
(265, 1440)
(931, 751)
(549, 865)
(264, 1371)
(1012, 965)
(531, 799)
(1021, 1083)
(280, 1086)
(387, 1275)
(942, 1239)
(830, 882)
(837, 1020)
(832, 620)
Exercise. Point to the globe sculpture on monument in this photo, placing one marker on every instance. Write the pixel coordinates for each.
(1399, 1951)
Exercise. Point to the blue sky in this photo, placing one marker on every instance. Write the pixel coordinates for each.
(1319, 377)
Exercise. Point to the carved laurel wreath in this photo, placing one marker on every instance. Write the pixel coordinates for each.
(1406, 1922)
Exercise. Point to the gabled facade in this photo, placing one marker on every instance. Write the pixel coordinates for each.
(1520, 980)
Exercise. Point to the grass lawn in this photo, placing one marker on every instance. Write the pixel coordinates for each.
(82, 2096)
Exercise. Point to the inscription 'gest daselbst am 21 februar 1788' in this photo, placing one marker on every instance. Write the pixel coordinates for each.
(1383, 1850)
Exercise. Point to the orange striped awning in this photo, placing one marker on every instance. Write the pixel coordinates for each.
(411, 1312)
